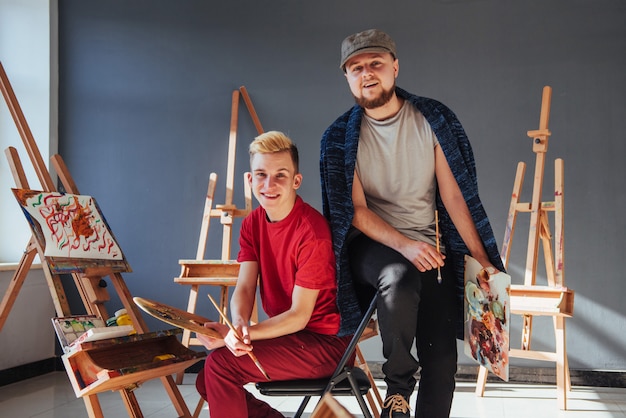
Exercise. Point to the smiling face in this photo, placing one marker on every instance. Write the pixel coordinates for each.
(372, 79)
(274, 182)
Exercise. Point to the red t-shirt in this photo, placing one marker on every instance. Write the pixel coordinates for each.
(297, 250)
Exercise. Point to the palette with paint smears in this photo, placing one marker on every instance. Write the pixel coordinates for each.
(176, 317)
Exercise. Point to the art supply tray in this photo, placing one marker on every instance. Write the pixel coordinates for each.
(118, 363)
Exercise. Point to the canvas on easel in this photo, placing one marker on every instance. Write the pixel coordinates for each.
(487, 316)
(72, 231)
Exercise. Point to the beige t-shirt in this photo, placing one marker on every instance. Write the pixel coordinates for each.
(396, 166)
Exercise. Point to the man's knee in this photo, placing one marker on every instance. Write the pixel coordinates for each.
(400, 279)
(218, 363)
(200, 384)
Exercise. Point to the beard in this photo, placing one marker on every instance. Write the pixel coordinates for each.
(376, 102)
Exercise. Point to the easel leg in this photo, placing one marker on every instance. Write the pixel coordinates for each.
(94, 296)
(527, 325)
(546, 243)
(199, 407)
(224, 300)
(512, 216)
(562, 371)
(481, 381)
(375, 401)
(131, 404)
(92, 404)
(186, 339)
(57, 292)
(83, 295)
(16, 284)
(191, 307)
(175, 396)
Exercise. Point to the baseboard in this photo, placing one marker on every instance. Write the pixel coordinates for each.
(465, 373)
(26, 371)
(533, 375)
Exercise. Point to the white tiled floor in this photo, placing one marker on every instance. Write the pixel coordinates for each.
(51, 396)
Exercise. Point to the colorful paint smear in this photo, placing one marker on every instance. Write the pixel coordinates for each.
(487, 317)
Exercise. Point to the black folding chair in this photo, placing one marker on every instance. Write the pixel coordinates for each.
(346, 380)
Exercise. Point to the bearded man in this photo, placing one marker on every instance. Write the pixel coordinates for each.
(386, 166)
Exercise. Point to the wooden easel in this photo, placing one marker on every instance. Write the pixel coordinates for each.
(373, 396)
(223, 272)
(87, 282)
(329, 407)
(530, 299)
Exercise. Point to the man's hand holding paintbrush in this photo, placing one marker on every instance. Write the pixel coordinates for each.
(239, 346)
(236, 340)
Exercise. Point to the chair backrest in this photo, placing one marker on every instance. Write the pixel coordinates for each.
(347, 355)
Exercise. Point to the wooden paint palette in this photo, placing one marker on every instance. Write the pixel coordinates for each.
(176, 317)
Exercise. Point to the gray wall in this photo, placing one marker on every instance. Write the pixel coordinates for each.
(145, 90)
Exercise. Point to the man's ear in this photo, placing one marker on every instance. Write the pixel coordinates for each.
(396, 67)
(297, 181)
(249, 177)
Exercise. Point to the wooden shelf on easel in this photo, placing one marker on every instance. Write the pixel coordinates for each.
(214, 272)
(196, 273)
(542, 300)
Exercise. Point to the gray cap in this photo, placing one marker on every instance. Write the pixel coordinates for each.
(371, 40)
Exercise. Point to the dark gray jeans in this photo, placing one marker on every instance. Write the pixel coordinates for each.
(412, 307)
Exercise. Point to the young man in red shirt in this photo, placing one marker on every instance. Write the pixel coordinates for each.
(287, 244)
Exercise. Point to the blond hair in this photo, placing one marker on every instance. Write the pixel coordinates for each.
(274, 141)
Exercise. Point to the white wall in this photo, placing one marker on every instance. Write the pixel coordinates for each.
(25, 52)
(25, 44)
(27, 335)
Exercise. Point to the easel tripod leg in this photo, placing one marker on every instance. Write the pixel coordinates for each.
(175, 396)
(186, 338)
(92, 404)
(562, 371)
(131, 404)
(481, 381)
(199, 407)
(16, 284)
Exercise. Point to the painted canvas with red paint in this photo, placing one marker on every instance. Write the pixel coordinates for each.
(68, 225)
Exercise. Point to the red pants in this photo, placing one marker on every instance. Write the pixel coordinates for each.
(303, 355)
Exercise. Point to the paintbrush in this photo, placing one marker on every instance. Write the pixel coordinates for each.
(439, 279)
(230, 325)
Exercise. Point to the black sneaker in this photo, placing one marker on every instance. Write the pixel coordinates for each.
(396, 406)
